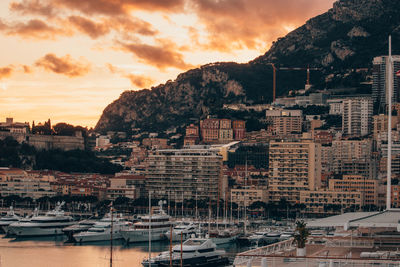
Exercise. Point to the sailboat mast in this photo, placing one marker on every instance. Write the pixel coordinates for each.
(226, 210)
(231, 206)
(245, 200)
(197, 215)
(149, 229)
(217, 209)
(111, 235)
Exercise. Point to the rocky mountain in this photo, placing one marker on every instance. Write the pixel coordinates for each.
(340, 42)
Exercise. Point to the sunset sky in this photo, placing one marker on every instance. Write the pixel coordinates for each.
(68, 59)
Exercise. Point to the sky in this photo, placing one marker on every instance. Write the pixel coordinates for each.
(68, 59)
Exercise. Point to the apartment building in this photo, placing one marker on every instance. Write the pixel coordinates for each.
(357, 183)
(324, 201)
(222, 130)
(348, 152)
(380, 124)
(195, 171)
(357, 116)
(395, 197)
(17, 182)
(379, 81)
(284, 122)
(248, 195)
(294, 166)
(121, 187)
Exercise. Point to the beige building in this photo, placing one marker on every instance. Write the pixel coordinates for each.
(323, 201)
(185, 173)
(352, 155)
(121, 187)
(249, 195)
(293, 166)
(284, 122)
(19, 182)
(380, 123)
(357, 183)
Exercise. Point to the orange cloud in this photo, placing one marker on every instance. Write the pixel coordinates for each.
(63, 65)
(139, 81)
(34, 28)
(126, 24)
(102, 19)
(239, 24)
(6, 72)
(36, 7)
(94, 30)
(118, 7)
(163, 56)
(136, 80)
(27, 69)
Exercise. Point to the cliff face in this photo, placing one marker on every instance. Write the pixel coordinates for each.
(193, 93)
(339, 41)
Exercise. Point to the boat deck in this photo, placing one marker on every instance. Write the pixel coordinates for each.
(322, 251)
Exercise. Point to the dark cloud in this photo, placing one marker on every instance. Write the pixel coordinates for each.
(94, 30)
(136, 80)
(6, 72)
(163, 56)
(63, 65)
(34, 28)
(237, 24)
(33, 7)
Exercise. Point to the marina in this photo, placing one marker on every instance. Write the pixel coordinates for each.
(46, 251)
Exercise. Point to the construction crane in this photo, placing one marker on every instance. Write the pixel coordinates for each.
(274, 69)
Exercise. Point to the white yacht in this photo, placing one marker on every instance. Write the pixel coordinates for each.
(49, 224)
(101, 230)
(286, 234)
(8, 219)
(258, 237)
(193, 252)
(158, 224)
(225, 236)
(81, 226)
(184, 229)
(273, 235)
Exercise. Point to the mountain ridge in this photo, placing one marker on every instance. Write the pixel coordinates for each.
(339, 41)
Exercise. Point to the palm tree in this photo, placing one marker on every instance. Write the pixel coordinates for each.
(300, 236)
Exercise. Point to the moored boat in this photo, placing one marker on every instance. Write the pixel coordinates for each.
(193, 252)
(101, 230)
(8, 219)
(157, 224)
(49, 224)
(181, 231)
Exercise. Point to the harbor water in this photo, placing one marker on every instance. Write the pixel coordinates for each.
(53, 252)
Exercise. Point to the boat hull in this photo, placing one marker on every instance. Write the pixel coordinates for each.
(84, 238)
(21, 231)
(191, 262)
(223, 240)
(177, 237)
(133, 236)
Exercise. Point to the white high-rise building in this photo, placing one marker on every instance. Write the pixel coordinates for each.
(357, 116)
(379, 85)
